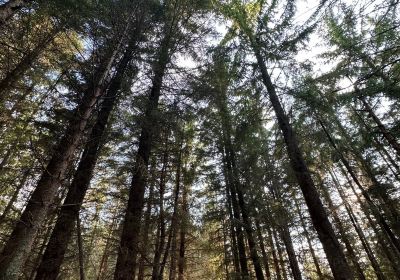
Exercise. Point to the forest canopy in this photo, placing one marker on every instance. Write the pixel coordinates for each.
(199, 139)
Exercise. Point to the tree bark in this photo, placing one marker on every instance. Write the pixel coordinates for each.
(15, 75)
(284, 233)
(359, 232)
(319, 217)
(146, 230)
(308, 238)
(375, 210)
(280, 254)
(128, 249)
(20, 242)
(160, 242)
(236, 189)
(55, 251)
(274, 255)
(80, 248)
(170, 246)
(182, 234)
(263, 251)
(14, 197)
(350, 251)
(385, 132)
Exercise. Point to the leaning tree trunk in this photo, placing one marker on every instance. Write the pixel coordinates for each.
(284, 233)
(235, 185)
(128, 249)
(54, 255)
(343, 235)
(233, 234)
(80, 248)
(319, 217)
(20, 242)
(374, 208)
(14, 197)
(280, 254)
(15, 75)
(359, 232)
(382, 129)
(308, 238)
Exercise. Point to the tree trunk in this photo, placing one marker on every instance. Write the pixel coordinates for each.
(80, 248)
(385, 132)
(19, 245)
(274, 255)
(235, 185)
(128, 249)
(160, 242)
(294, 265)
(14, 197)
(263, 251)
(146, 230)
(319, 217)
(308, 238)
(360, 233)
(174, 221)
(104, 259)
(350, 251)
(375, 210)
(182, 234)
(55, 251)
(171, 247)
(233, 233)
(15, 75)
(280, 255)
(284, 233)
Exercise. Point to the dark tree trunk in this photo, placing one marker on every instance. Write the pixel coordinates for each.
(382, 129)
(160, 241)
(365, 245)
(235, 219)
(14, 197)
(342, 231)
(15, 75)
(182, 233)
(55, 251)
(280, 254)
(171, 247)
(236, 189)
(146, 230)
(174, 221)
(319, 217)
(308, 238)
(263, 251)
(101, 275)
(294, 265)
(274, 254)
(233, 233)
(285, 233)
(80, 248)
(360, 233)
(20, 242)
(375, 210)
(128, 249)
